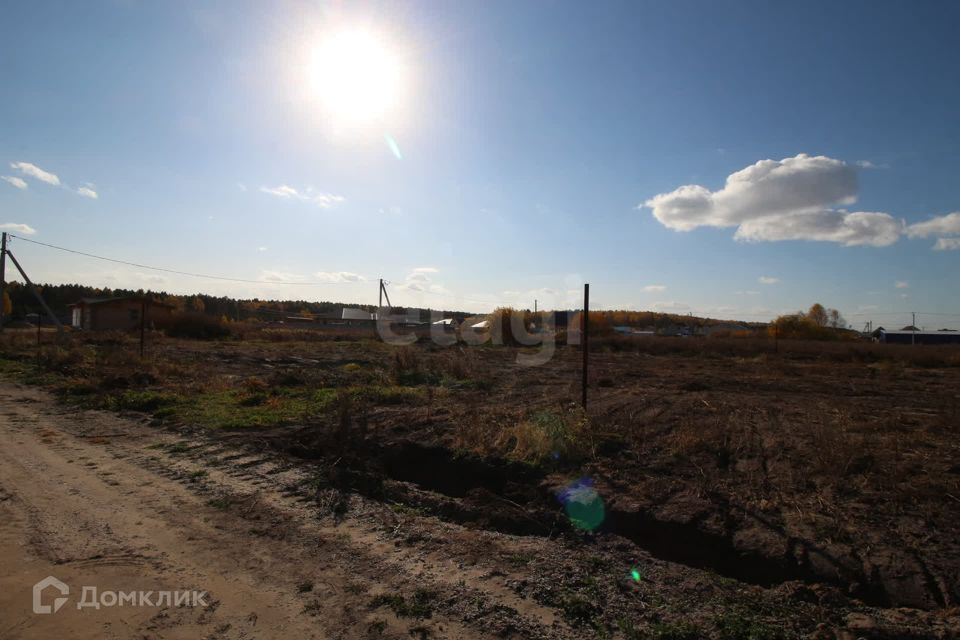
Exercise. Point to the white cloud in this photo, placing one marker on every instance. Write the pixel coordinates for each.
(261, 249)
(88, 192)
(862, 228)
(670, 306)
(32, 170)
(283, 191)
(867, 164)
(151, 278)
(902, 284)
(789, 199)
(19, 228)
(426, 270)
(948, 225)
(19, 183)
(339, 276)
(747, 293)
(280, 276)
(655, 288)
(947, 244)
(768, 280)
(319, 198)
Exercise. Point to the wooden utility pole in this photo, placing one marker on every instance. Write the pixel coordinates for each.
(35, 291)
(3, 275)
(380, 304)
(585, 329)
(143, 322)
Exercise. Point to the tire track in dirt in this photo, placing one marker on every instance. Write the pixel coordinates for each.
(89, 502)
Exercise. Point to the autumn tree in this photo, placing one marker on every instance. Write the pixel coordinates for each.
(818, 315)
(836, 321)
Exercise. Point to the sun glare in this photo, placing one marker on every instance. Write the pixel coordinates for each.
(357, 77)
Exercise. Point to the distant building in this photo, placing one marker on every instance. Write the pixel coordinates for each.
(477, 322)
(633, 331)
(357, 314)
(117, 314)
(944, 336)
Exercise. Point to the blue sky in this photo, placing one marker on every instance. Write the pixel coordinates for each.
(533, 139)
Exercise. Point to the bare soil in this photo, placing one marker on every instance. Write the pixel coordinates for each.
(755, 495)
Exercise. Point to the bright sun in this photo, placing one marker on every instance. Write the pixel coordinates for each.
(357, 77)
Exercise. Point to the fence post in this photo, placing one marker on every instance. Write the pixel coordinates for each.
(585, 328)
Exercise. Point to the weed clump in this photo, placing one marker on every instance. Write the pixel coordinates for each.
(547, 435)
(420, 605)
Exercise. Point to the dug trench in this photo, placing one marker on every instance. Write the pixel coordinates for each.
(520, 499)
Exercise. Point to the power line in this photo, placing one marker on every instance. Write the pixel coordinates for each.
(165, 270)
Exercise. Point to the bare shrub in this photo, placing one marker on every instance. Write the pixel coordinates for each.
(196, 326)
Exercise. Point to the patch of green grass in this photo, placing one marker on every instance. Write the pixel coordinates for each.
(147, 401)
(521, 559)
(12, 367)
(420, 604)
(233, 409)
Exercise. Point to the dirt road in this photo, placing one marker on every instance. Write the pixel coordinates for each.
(96, 500)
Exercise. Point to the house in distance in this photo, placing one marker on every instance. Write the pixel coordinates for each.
(118, 314)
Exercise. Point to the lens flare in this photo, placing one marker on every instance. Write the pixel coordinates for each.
(394, 147)
(583, 505)
(635, 575)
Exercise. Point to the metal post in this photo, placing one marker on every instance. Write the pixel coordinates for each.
(143, 321)
(585, 328)
(3, 275)
(35, 292)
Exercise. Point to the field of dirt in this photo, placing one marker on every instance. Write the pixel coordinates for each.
(350, 489)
